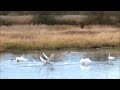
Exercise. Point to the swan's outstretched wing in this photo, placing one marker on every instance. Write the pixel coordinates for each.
(45, 56)
(81, 60)
(52, 55)
(24, 59)
(43, 60)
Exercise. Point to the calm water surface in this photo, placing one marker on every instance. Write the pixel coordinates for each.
(66, 65)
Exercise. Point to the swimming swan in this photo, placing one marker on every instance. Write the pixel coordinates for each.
(85, 61)
(111, 57)
(20, 59)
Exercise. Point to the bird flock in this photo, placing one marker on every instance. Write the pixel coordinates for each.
(46, 59)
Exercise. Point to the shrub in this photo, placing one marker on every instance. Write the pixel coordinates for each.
(4, 22)
(44, 19)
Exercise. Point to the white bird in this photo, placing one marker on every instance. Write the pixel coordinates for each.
(111, 57)
(48, 58)
(43, 60)
(85, 61)
(20, 59)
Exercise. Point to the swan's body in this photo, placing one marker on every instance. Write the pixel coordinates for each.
(85, 61)
(20, 59)
(110, 57)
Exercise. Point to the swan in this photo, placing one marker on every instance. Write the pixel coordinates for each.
(111, 57)
(43, 60)
(20, 59)
(48, 58)
(85, 61)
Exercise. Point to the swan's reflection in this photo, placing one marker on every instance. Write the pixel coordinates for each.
(48, 66)
(83, 67)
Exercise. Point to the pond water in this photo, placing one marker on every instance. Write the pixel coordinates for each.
(65, 65)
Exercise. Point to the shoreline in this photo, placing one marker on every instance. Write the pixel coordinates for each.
(65, 49)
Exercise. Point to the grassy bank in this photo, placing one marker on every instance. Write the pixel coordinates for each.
(12, 20)
(39, 37)
(42, 19)
(58, 19)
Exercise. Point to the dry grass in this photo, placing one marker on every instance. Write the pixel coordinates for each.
(25, 19)
(76, 18)
(37, 37)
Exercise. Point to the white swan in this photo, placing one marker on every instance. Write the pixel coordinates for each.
(85, 61)
(48, 58)
(111, 57)
(20, 59)
(43, 60)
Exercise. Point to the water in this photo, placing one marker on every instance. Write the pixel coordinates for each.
(66, 65)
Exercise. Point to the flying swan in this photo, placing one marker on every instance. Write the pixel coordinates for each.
(47, 59)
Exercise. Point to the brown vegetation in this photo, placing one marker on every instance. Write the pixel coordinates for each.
(37, 37)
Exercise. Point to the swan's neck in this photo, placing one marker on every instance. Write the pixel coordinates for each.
(16, 60)
(22, 56)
